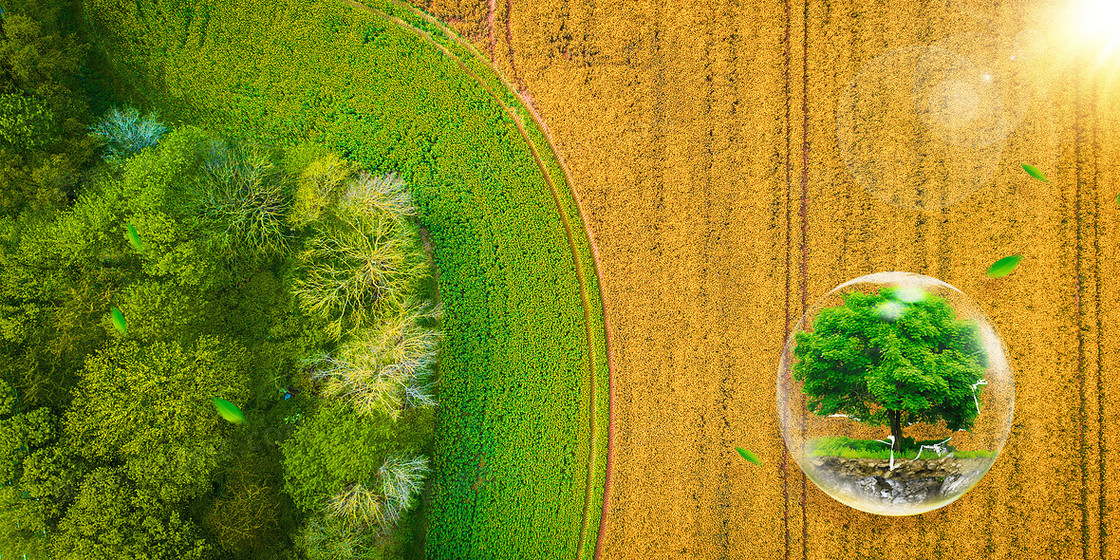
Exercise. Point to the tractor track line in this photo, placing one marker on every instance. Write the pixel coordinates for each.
(783, 466)
(512, 62)
(491, 11)
(1078, 288)
(1102, 501)
(571, 242)
(804, 231)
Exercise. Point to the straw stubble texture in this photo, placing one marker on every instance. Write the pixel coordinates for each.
(701, 138)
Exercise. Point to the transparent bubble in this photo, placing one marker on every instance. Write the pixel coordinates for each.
(887, 353)
(924, 126)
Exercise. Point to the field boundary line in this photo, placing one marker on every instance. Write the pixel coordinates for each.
(783, 465)
(518, 122)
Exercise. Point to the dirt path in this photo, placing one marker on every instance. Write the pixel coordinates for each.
(704, 138)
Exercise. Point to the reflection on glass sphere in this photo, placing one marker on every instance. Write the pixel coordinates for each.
(894, 393)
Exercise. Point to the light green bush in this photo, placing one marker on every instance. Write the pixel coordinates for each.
(318, 187)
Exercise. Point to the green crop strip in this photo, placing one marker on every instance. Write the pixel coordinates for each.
(521, 429)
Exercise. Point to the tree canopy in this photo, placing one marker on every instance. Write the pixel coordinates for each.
(43, 112)
(136, 398)
(885, 361)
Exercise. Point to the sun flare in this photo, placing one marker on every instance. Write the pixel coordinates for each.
(1097, 22)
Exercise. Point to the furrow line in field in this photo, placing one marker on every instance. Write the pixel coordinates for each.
(1101, 456)
(593, 409)
(1083, 441)
(804, 229)
(783, 466)
(509, 45)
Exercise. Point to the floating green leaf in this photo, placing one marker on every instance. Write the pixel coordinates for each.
(118, 319)
(1004, 266)
(1034, 172)
(229, 411)
(748, 455)
(134, 238)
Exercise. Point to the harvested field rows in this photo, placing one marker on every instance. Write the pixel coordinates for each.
(702, 139)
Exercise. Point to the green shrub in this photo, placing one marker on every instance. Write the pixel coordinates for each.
(111, 519)
(147, 406)
(318, 187)
(7, 398)
(872, 449)
(245, 514)
(334, 446)
(44, 111)
(324, 537)
(379, 507)
(974, 454)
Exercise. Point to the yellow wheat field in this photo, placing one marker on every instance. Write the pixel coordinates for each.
(702, 139)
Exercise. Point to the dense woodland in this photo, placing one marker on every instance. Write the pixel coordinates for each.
(147, 268)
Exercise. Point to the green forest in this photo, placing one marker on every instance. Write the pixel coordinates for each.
(286, 305)
(148, 272)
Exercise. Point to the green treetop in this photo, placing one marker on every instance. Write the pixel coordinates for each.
(886, 362)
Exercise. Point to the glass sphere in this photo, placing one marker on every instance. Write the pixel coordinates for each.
(895, 357)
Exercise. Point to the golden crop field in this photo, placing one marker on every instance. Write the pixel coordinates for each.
(731, 176)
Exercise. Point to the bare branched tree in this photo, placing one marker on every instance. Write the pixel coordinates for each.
(245, 194)
(380, 509)
(386, 368)
(125, 133)
(402, 478)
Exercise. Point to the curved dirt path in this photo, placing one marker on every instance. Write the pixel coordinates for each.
(538, 121)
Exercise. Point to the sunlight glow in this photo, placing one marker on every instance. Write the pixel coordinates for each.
(1098, 21)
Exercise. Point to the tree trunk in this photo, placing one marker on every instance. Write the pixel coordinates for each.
(896, 429)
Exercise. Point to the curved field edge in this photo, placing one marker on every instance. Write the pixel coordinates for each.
(150, 70)
(581, 243)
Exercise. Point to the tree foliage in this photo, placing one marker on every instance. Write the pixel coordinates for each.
(335, 447)
(246, 512)
(386, 368)
(916, 363)
(33, 476)
(111, 519)
(43, 113)
(325, 537)
(124, 132)
(244, 193)
(148, 406)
